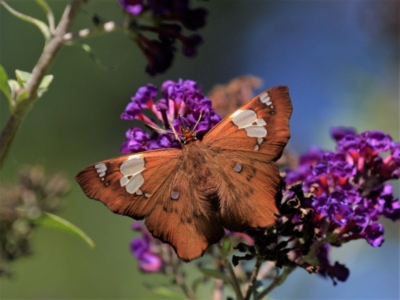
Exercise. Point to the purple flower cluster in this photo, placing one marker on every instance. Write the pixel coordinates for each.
(350, 184)
(341, 198)
(145, 250)
(160, 52)
(182, 98)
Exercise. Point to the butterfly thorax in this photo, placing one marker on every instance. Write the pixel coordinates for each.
(188, 136)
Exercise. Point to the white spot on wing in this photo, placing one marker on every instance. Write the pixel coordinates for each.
(134, 183)
(247, 119)
(256, 147)
(266, 99)
(256, 131)
(132, 170)
(101, 169)
(139, 192)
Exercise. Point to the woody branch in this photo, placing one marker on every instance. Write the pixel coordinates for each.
(50, 51)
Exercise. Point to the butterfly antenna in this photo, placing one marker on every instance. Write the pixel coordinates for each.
(157, 129)
(198, 121)
(175, 133)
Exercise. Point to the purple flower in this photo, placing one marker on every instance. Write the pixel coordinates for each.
(134, 7)
(395, 152)
(164, 19)
(337, 133)
(374, 234)
(182, 98)
(141, 248)
(377, 140)
(159, 54)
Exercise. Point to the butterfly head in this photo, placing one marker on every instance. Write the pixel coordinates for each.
(187, 136)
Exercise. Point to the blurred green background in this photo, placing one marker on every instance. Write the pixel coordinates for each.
(339, 58)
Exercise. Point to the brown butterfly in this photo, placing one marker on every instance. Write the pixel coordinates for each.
(188, 196)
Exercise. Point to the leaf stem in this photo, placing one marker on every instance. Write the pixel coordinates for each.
(276, 282)
(231, 272)
(49, 53)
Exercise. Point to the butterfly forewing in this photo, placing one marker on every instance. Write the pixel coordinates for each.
(260, 126)
(126, 184)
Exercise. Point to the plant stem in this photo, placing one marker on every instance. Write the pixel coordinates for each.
(277, 282)
(232, 275)
(253, 278)
(49, 53)
(181, 283)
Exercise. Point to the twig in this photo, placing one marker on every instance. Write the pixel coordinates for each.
(99, 29)
(253, 278)
(232, 275)
(181, 283)
(49, 53)
(277, 282)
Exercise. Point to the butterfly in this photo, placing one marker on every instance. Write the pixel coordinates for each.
(188, 196)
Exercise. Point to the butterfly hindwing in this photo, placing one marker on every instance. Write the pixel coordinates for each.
(260, 126)
(126, 184)
(247, 191)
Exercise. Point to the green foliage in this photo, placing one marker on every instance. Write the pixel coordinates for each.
(53, 221)
(39, 24)
(4, 87)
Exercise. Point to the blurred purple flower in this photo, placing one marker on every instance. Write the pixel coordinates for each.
(134, 7)
(141, 248)
(178, 98)
(168, 18)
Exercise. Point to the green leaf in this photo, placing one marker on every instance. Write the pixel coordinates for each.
(53, 221)
(163, 291)
(4, 87)
(40, 24)
(22, 77)
(195, 283)
(214, 274)
(226, 247)
(46, 81)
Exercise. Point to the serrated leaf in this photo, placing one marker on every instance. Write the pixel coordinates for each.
(22, 77)
(214, 274)
(40, 24)
(56, 222)
(4, 87)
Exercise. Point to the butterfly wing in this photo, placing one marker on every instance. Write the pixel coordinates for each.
(126, 184)
(184, 218)
(156, 185)
(261, 126)
(247, 191)
(247, 143)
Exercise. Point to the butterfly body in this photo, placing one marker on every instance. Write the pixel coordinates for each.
(188, 196)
